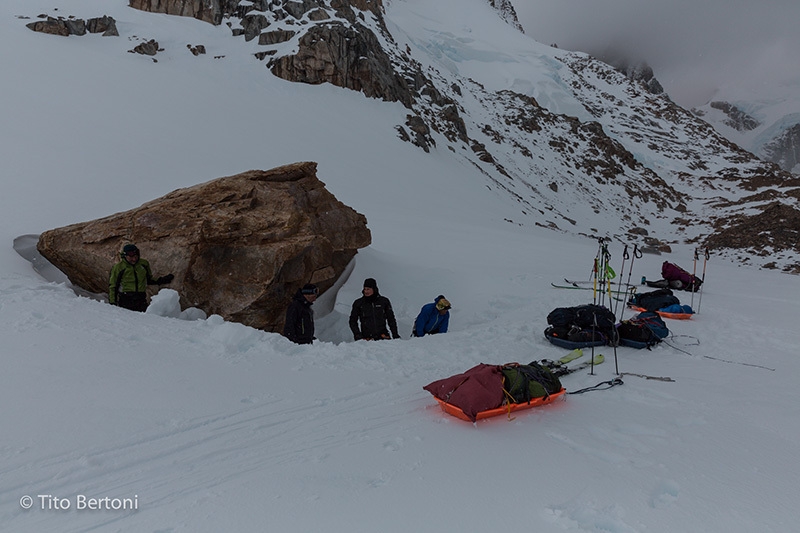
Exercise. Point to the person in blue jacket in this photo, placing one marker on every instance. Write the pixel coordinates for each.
(433, 318)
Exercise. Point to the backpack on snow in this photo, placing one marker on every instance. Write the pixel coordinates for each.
(582, 316)
(583, 323)
(679, 278)
(523, 383)
(646, 327)
(654, 300)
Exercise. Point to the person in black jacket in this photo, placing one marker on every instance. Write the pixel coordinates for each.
(375, 313)
(299, 326)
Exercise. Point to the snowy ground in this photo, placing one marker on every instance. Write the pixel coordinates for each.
(209, 426)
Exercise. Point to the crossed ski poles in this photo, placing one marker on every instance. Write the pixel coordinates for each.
(637, 253)
(603, 273)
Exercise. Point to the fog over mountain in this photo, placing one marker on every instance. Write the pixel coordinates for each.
(695, 48)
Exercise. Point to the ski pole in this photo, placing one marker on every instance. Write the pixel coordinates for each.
(636, 254)
(601, 278)
(608, 274)
(702, 280)
(594, 327)
(603, 273)
(694, 272)
(625, 257)
(597, 255)
(596, 266)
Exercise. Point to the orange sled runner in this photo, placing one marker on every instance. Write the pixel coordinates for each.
(451, 409)
(664, 314)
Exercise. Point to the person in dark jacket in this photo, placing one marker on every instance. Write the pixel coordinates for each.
(374, 313)
(433, 318)
(129, 279)
(299, 326)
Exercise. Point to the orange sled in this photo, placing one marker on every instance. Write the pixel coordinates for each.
(506, 409)
(664, 314)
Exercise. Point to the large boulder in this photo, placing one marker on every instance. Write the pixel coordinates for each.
(239, 246)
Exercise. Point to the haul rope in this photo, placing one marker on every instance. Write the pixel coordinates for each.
(657, 378)
(716, 358)
(611, 383)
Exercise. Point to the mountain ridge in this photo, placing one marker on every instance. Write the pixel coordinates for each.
(556, 139)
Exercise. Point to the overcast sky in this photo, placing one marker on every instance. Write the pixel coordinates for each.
(694, 46)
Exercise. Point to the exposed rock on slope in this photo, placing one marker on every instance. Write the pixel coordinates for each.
(239, 246)
(72, 26)
(345, 56)
(737, 119)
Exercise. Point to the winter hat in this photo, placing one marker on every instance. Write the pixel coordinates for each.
(309, 288)
(442, 303)
(371, 283)
(130, 248)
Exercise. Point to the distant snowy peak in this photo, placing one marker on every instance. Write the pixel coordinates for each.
(784, 149)
(507, 12)
(764, 124)
(778, 143)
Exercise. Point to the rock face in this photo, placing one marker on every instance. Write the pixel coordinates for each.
(71, 26)
(205, 10)
(737, 119)
(346, 57)
(507, 12)
(239, 246)
(784, 149)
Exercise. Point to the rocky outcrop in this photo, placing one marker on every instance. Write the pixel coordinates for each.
(737, 119)
(345, 56)
(72, 26)
(507, 12)
(148, 48)
(641, 73)
(206, 10)
(214, 11)
(238, 246)
(768, 234)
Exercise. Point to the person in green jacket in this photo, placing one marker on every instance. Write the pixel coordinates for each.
(129, 279)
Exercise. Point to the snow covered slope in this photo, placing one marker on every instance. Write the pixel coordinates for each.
(566, 141)
(208, 426)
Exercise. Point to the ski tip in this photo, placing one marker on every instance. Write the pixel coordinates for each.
(577, 353)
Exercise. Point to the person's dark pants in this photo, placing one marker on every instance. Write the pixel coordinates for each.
(135, 301)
